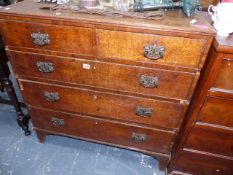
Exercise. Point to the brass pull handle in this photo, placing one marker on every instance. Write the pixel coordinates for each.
(138, 137)
(143, 112)
(40, 39)
(57, 121)
(51, 96)
(149, 81)
(45, 67)
(154, 51)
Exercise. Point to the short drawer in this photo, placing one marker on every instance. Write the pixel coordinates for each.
(107, 105)
(201, 164)
(224, 79)
(217, 111)
(153, 82)
(69, 39)
(213, 140)
(150, 48)
(137, 138)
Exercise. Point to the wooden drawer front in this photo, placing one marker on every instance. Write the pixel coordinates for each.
(217, 111)
(103, 131)
(76, 40)
(125, 45)
(154, 82)
(224, 78)
(211, 140)
(108, 105)
(199, 164)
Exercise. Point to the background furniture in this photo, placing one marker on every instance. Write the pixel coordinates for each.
(206, 145)
(117, 81)
(205, 3)
(6, 84)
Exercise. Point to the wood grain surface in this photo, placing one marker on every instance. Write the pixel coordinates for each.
(225, 75)
(217, 111)
(124, 45)
(171, 84)
(76, 40)
(106, 105)
(101, 130)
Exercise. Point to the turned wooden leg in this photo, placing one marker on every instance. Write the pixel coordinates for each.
(1, 85)
(41, 136)
(22, 120)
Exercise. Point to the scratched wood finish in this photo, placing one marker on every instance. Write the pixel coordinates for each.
(125, 45)
(102, 130)
(217, 111)
(213, 140)
(76, 40)
(172, 84)
(165, 114)
(224, 79)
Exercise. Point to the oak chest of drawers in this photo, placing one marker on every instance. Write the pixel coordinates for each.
(206, 145)
(117, 81)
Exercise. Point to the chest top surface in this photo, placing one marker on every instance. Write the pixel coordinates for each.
(174, 20)
(224, 45)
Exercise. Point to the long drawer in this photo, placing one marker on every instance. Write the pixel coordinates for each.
(75, 40)
(153, 82)
(107, 105)
(133, 137)
(213, 140)
(217, 111)
(224, 79)
(150, 48)
(201, 164)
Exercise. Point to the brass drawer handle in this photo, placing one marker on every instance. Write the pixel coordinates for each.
(154, 51)
(57, 121)
(138, 137)
(40, 39)
(149, 81)
(51, 96)
(45, 67)
(143, 112)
